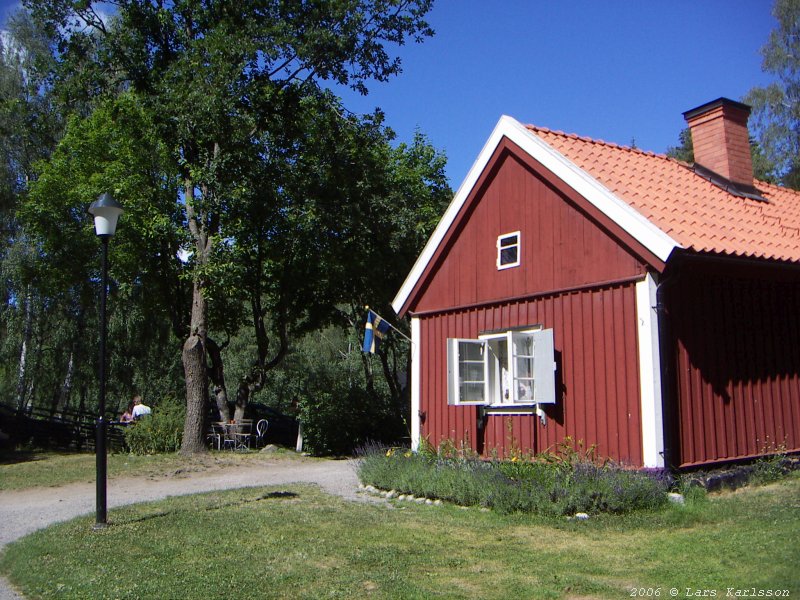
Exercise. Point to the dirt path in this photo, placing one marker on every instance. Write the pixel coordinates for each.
(25, 511)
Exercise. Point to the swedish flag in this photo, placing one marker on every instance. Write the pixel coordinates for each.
(376, 329)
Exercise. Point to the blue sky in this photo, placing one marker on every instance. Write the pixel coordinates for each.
(612, 69)
(609, 69)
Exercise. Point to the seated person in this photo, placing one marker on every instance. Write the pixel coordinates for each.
(139, 408)
(127, 416)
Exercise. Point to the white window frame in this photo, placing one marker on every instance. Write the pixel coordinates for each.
(500, 247)
(501, 386)
(454, 378)
(497, 380)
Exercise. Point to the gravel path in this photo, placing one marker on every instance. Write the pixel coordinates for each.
(25, 511)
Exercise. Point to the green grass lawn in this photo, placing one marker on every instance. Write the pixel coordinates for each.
(20, 470)
(296, 542)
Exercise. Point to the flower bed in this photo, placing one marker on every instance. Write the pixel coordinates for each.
(563, 486)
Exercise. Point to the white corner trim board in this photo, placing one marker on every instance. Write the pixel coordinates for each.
(619, 211)
(650, 373)
(416, 384)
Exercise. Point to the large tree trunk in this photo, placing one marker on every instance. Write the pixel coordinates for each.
(194, 349)
(194, 367)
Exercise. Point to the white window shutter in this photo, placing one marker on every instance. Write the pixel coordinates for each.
(467, 375)
(452, 371)
(544, 366)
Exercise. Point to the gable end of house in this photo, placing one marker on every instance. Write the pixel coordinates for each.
(509, 133)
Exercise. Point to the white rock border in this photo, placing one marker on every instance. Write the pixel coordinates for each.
(394, 495)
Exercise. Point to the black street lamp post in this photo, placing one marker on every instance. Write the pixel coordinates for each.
(106, 212)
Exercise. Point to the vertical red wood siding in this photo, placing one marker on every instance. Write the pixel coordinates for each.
(568, 259)
(737, 359)
(733, 338)
(596, 351)
(561, 247)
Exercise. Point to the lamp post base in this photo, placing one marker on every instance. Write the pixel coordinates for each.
(101, 459)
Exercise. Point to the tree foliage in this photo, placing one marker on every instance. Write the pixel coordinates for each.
(30, 123)
(776, 107)
(211, 123)
(30, 119)
(55, 290)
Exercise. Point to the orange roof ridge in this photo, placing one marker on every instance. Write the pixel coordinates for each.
(584, 138)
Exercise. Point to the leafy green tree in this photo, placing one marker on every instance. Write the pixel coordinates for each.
(776, 107)
(333, 230)
(223, 83)
(684, 151)
(30, 120)
(113, 149)
(30, 123)
(377, 204)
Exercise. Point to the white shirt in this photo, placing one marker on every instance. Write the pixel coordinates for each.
(140, 410)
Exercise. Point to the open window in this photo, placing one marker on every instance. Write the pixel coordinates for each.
(510, 368)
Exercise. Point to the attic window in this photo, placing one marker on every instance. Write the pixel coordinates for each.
(508, 250)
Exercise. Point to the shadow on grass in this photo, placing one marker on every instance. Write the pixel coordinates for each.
(267, 496)
(13, 457)
(169, 513)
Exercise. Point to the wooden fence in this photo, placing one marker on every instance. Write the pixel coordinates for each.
(68, 430)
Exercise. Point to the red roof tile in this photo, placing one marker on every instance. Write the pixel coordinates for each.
(692, 210)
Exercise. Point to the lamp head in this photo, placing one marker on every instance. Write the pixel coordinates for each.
(106, 212)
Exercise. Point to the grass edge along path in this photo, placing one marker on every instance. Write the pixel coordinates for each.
(296, 542)
(26, 470)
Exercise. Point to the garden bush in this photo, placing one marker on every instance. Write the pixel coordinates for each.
(338, 408)
(531, 486)
(770, 468)
(159, 432)
(341, 417)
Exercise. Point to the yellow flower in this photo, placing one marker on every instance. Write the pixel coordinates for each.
(390, 452)
(514, 459)
(408, 454)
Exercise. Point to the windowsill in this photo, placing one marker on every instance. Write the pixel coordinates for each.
(506, 409)
(509, 266)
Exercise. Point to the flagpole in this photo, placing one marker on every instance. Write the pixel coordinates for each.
(390, 325)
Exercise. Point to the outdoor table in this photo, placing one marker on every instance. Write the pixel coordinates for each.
(233, 435)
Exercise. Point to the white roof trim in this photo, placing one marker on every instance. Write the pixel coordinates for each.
(619, 211)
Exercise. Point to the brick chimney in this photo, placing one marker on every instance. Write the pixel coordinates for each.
(721, 141)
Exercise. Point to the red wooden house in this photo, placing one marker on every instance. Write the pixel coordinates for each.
(579, 288)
